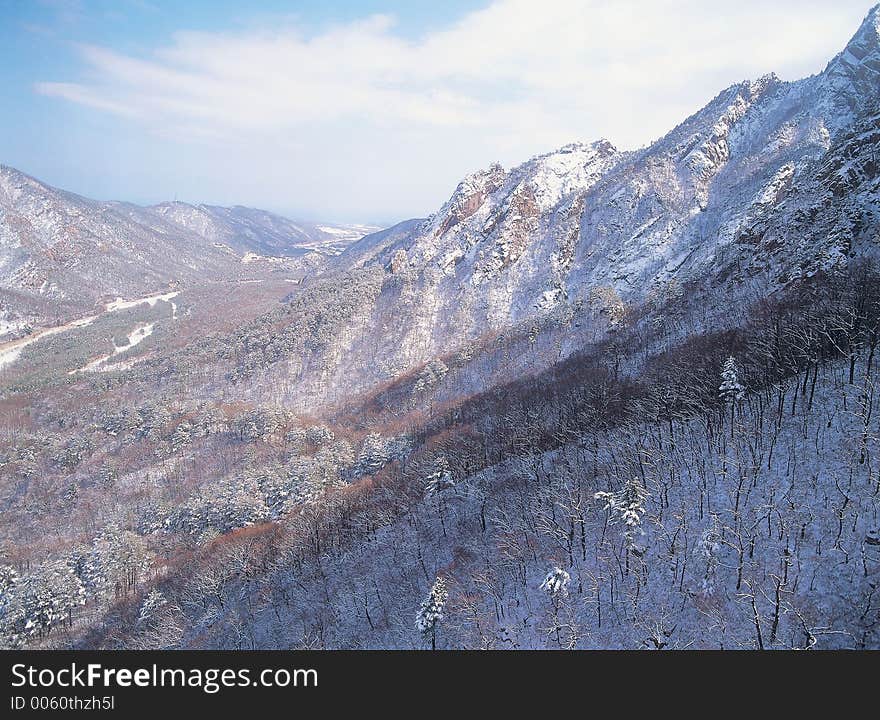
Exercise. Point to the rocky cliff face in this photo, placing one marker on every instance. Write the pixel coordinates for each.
(770, 182)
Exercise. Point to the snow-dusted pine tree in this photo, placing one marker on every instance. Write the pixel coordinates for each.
(556, 582)
(730, 389)
(151, 603)
(439, 478)
(439, 482)
(556, 586)
(627, 505)
(112, 563)
(8, 578)
(431, 611)
(708, 549)
(38, 602)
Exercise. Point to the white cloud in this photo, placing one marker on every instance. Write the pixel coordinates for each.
(406, 117)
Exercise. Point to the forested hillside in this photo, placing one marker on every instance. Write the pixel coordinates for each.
(603, 399)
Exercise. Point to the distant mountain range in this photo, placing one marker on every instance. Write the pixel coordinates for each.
(249, 230)
(60, 252)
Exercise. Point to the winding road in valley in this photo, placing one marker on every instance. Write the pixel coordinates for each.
(10, 351)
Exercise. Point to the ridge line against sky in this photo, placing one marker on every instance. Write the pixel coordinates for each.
(366, 111)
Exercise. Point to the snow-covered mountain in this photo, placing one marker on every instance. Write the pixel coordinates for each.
(60, 253)
(258, 231)
(769, 182)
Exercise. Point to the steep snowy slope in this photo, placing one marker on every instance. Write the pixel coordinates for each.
(769, 182)
(724, 554)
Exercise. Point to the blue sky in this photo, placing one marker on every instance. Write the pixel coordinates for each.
(365, 110)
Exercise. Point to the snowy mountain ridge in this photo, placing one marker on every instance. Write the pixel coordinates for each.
(60, 253)
(735, 196)
(251, 230)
